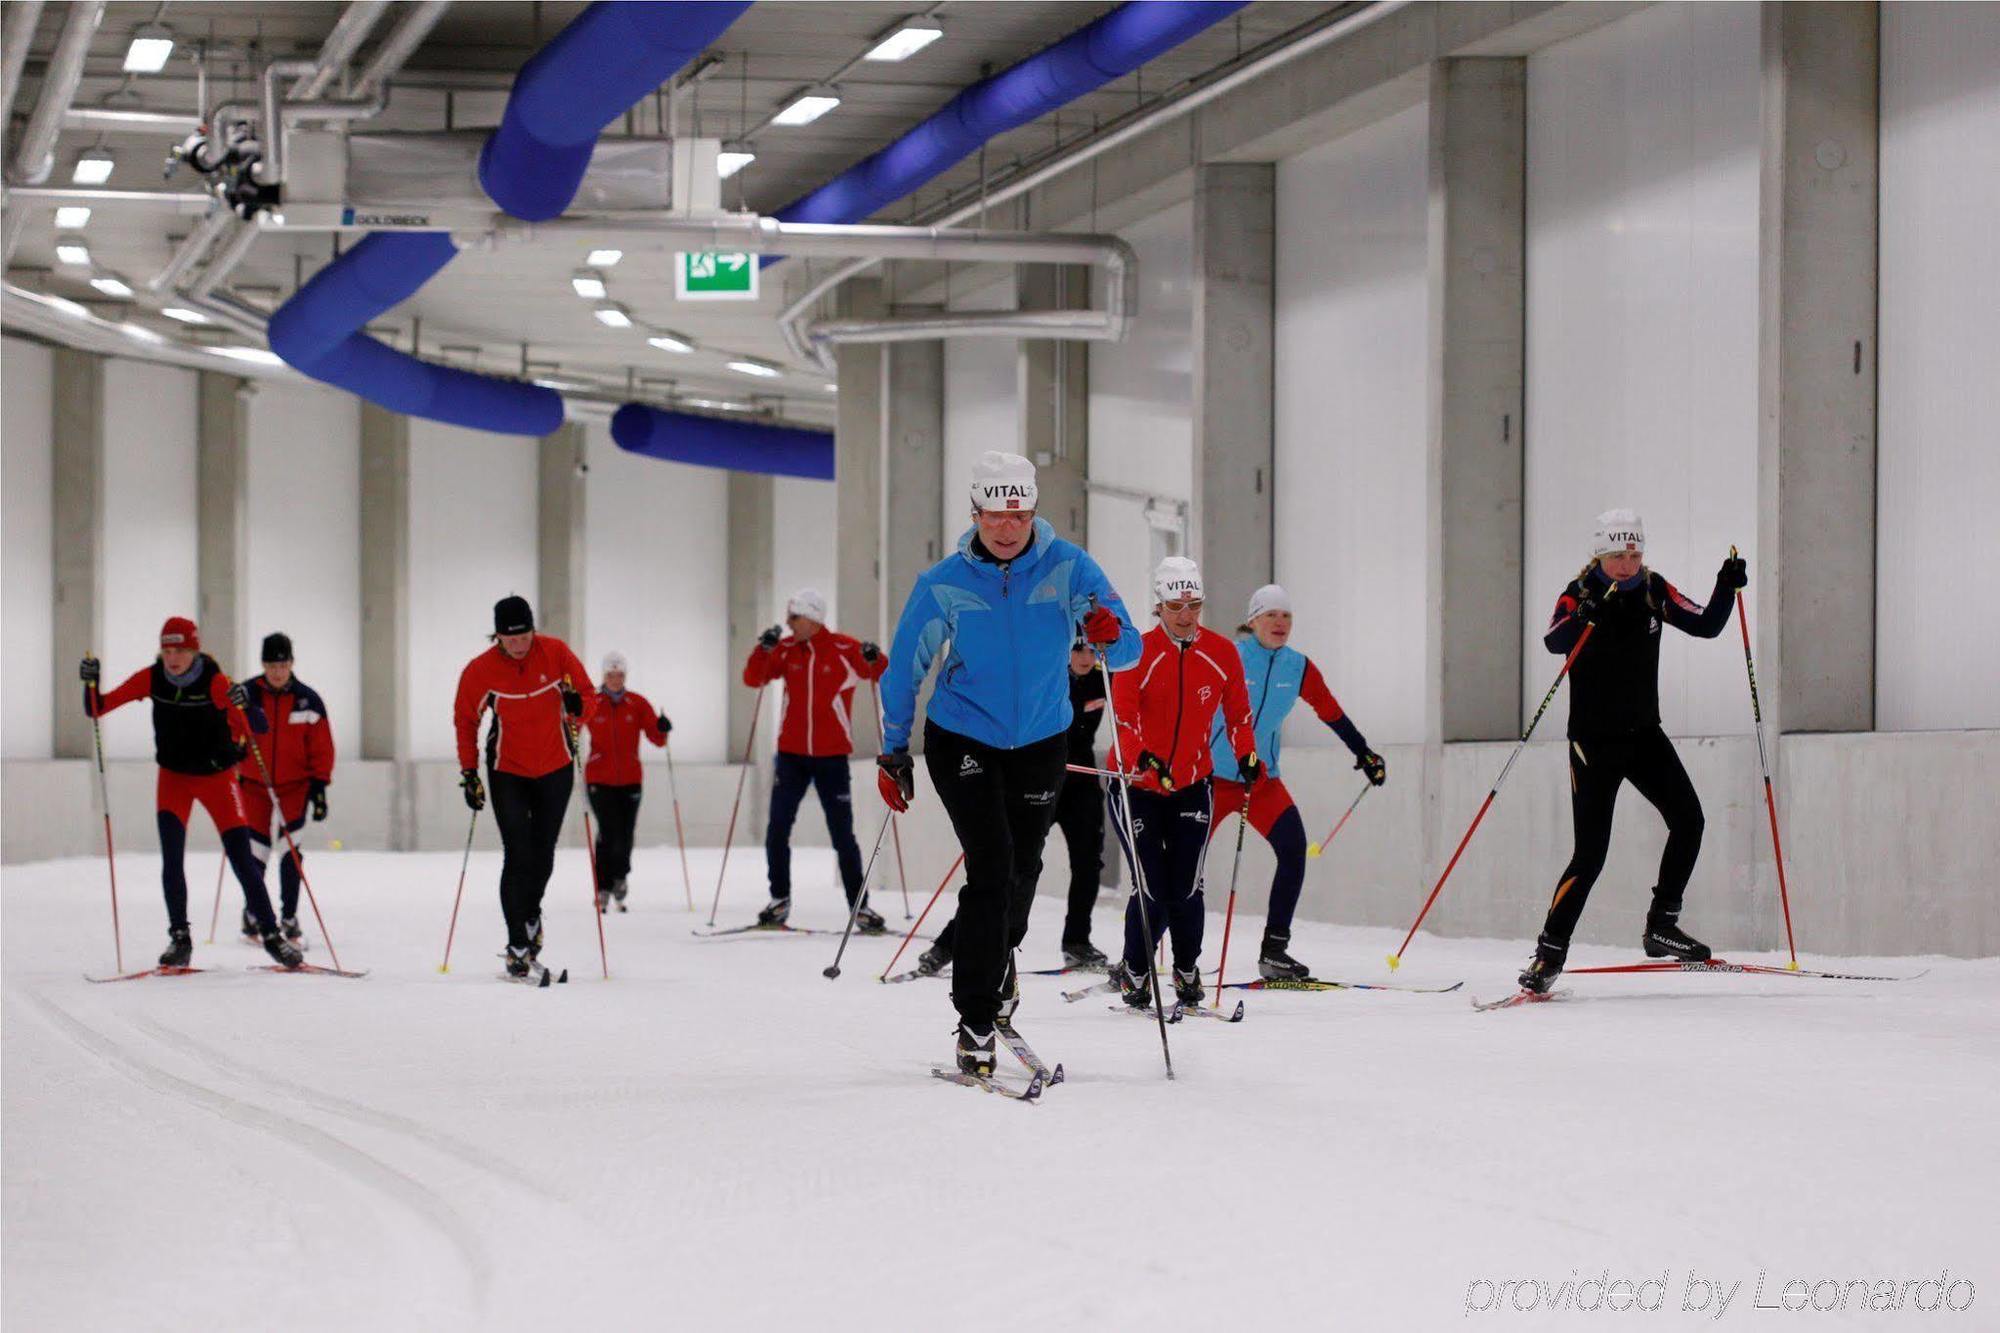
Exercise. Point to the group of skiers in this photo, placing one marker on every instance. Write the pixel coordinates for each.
(1023, 633)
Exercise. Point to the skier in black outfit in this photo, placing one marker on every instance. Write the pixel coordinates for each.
(1080, 816)
(1615, 735)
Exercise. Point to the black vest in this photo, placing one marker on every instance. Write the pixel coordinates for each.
(1615, 681)
(190, 734)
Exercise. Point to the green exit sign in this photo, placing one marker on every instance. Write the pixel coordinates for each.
(715, 275)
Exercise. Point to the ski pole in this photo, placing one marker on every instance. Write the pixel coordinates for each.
(895, 829)
(1764, 763)
(466, 861)
(298, 860)
(860, 897)
(1396, 958)
(1242, 819)
(589, 836)
(938, 893)
(215, 913)
(1132, 843)
(1318, 847)
(674, 790)
(1088, 771)
(748, 743)
(104, 797)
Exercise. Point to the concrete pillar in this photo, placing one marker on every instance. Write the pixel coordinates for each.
(559, 533)
(1814, 572)
(77, 537)
(222, 532)
(385, 586)
(858, 472)
(913, 481)
(1477, 225)
(1235, 253)
(1055, 400)
(752, 525)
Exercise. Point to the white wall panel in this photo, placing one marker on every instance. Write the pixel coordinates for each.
(1939, 455)
(27, 598)
(150, 422)
(981, 407)
(802, 550)
(1643, 141)
(1352, 302)
(304, 562)
(472, 542)
(1141, 401)
(656, 586)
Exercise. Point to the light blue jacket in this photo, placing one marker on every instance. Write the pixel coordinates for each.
(1005, 631)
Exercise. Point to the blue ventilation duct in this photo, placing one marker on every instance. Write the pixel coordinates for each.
(741, 446)
(1106, 49)
(531, 166)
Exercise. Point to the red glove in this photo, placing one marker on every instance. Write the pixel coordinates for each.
(896, 779)
(1102, 625)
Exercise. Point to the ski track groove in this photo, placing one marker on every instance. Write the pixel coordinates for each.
(363, 1168)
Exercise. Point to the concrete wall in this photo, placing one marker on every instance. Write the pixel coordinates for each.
(803, 522)
(26, 487)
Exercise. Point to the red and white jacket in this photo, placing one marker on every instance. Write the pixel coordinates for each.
(1167, 703)
(297, 744)
(615, 728)
(529, 738)
(820, 675)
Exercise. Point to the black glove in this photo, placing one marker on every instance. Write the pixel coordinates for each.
(1148, 762)
(666, 726)
(316, 797)
(572, 702)
(238, 696)
(1735, 573)
(769, 638)
(1250, 768)
(89, 671)
(1588, 603)
(896, 779)
(474, 789)
(1371, 764)
(869, 652)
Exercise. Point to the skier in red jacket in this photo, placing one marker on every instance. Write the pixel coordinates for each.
(1164, 708)
(612, 774)
(297, 745)
(200, 731)
(820, 669)
(537, 691)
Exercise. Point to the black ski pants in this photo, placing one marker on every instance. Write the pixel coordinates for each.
(1170, 831)
(1080, 816)
(529, 812)
(791, 775)
(1000, 803)
(617, 811)
(242, 859)
(1597, 768)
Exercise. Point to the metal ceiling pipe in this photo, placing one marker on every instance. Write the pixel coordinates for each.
(34, 157)
(205, 234)
(401, 44)
(180, 201)
(115, 120)
(273, 113)
(356, 22)
(226, 259)
(22, 18)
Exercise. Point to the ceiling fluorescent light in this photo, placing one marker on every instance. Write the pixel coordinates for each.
(732, 160)
(806, 108)
(150, 48)
(757, 368)
(603, 258)
(671, 342)
(588, 285)
(72, 217)
(613, 316)
(185, 315)
(73, 252)
(93, 167)
(905, 41)
(112, 286)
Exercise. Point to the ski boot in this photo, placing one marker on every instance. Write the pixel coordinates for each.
(1133, 986)
(603, 901)
(868, 921)
(1666, 939)
(252, 933)
(283, 952)
(618, 894)
(976, 1054)
(290, 925)
(933, 960)
(1543, 969)
(1188, 989)
(1274, 964)
(518, 960)
(776, 912)
(1010, 996)
(535, 938)
(1084, 957)
(180, 948)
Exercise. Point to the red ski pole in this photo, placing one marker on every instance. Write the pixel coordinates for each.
(589, 836)
(895, 829)
(1319, 847)
(1242, 820)
(292, 848)
(920, 918)
(110, 853)
(749, 742)
(215, 913)
(466, 861)
(1396, 958)
(680, 837)
(1764, 763)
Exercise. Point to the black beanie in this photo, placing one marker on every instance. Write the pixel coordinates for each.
(277, 648)
(512, 616)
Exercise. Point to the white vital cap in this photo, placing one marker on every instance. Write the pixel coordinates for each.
(1003, 481)
(615, 661)
(809, 603)
(1178, 579)
(1270, 597)
(1618, 531)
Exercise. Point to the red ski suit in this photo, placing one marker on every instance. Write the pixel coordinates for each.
(297, 747)
(193, 769)
(1166, 704)
(820, 675)
(615, 728)
(529, 737)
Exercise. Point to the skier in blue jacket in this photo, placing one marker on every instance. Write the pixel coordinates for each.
(1003, 611)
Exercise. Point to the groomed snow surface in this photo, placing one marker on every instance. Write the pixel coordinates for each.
(721, 1138)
